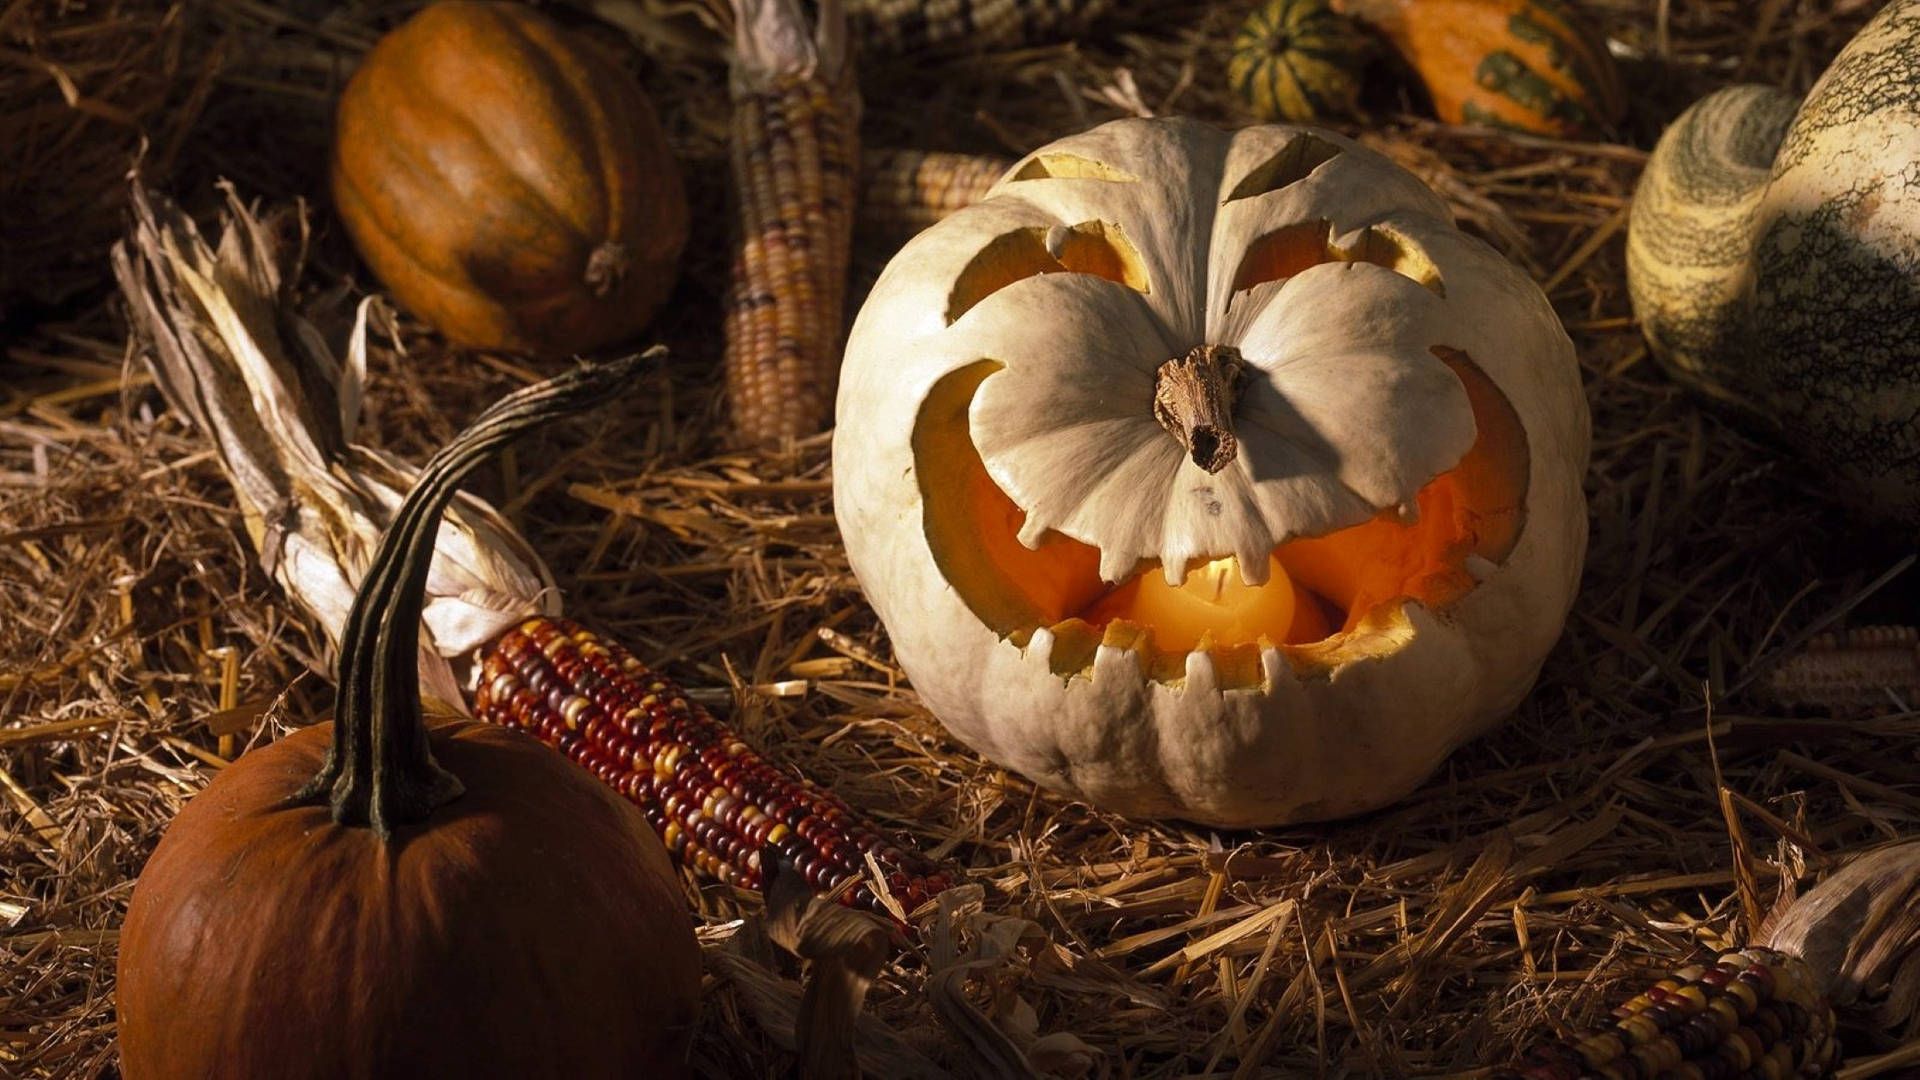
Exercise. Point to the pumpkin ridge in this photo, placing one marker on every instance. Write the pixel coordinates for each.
(534, 196)
(427, 182)
(459, 292)
(1298, 86)
(423, 95)
(583, 117)
(1241, 76)
(388, 216)
(521, 318)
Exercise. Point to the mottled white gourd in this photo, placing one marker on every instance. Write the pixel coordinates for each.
(1212, 475)
(1774, 260)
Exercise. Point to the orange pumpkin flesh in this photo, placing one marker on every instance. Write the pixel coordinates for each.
(371, 898)
(509, 183)
(1340, 587)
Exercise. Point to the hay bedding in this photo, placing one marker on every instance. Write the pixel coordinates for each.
(1645, 805)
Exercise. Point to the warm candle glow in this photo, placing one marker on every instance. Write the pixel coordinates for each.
(1212, 600)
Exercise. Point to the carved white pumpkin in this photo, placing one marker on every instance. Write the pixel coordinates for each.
(1212, 475)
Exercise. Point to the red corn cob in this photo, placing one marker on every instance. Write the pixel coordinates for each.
(719, 806)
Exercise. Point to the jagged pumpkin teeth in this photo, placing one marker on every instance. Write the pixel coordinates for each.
(1187, 463)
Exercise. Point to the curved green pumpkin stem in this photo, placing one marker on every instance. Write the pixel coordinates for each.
(380, 770)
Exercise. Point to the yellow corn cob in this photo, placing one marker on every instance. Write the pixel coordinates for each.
(911, 26)
(1755, 1013)
(904, 191)
(794, 146)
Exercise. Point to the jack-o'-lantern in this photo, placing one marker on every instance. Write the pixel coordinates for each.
(1212, 475)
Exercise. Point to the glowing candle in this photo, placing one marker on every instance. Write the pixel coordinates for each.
(1212, 600)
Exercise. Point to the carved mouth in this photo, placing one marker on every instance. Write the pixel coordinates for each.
(1326, 601)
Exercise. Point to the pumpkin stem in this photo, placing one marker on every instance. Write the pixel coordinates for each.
(380, 770)
(1194, 396)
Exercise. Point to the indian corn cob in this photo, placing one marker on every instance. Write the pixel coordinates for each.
(904, 191)
(1766, 1012)
(1857, 668)
(915, 26)
(1753, 1012)
(794, 145)
(715, 802)
(281, 409)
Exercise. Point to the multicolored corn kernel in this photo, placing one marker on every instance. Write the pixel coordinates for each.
(718, 805)
(794, 143)
(904, 191)
(1752, 1013)
(1859, 668)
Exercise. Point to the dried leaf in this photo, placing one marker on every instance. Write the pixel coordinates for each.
(995, 1051)
(1860, 929)
(844, 951)
(229, 353)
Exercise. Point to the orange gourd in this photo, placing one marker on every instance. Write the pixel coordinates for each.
(508, 182)
(1529, 65)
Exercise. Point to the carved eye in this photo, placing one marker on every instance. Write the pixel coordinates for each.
(1100, 248)
(1056, 166)
(1293, 163)
(1290, 249)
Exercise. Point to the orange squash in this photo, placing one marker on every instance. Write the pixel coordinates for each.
(508, 182)
(1530, 65)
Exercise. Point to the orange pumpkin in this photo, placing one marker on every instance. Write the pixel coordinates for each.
(373, 897)
(508, 182)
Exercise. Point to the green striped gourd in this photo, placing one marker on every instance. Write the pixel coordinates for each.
(1530, 65)
(1299, 60)
(1774, 260)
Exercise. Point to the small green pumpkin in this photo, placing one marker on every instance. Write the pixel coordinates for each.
(1773, 257)
(1299, 60)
